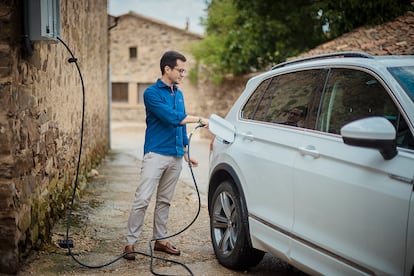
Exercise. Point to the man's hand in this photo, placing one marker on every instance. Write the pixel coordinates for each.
(194, 163)
(203, 122)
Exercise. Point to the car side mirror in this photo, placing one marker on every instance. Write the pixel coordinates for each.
(372, 132)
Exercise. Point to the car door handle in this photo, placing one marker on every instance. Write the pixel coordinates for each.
(248, 136)
(309, 150)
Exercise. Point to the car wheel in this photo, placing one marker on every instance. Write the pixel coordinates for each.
(229, 229)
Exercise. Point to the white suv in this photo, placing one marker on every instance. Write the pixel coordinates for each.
(314, 163)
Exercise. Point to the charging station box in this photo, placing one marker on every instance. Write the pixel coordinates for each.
(44, 19)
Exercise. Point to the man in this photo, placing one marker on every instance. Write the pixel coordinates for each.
(165, 145)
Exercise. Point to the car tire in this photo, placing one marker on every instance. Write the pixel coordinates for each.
(229, 229)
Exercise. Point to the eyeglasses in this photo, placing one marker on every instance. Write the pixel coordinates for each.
(182, 71)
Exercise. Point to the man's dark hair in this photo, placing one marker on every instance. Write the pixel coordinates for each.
(169, 59)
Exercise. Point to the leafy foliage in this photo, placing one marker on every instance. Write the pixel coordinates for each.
(244, 36)
(345, 15)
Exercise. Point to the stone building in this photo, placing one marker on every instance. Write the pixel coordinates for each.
(40, 119)
(137, 44)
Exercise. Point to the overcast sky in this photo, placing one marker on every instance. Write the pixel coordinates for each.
(171, 12)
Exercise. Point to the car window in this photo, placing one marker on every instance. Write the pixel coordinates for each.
(353, 94)
(252, 108)
(405, 77)
(287, 99)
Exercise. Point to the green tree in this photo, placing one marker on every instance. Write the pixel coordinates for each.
(244, 36)
(221, 20)
(345, 15)
(276, 29)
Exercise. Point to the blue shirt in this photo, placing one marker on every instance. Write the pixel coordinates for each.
(164, 112)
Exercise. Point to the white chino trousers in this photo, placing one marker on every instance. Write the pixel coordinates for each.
(159, 172)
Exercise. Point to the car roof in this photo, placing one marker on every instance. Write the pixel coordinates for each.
(352, 58)
(345, 57)
(323, 56)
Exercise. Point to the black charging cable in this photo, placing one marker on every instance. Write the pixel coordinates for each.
(195, 217)
(67, 243)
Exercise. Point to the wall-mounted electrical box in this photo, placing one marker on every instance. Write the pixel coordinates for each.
(44, 19)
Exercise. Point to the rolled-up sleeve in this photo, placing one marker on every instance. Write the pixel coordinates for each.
(161, 108)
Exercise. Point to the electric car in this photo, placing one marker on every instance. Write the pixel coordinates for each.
(314, 163)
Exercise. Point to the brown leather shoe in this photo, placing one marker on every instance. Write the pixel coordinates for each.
(166, 247)
(129, 248)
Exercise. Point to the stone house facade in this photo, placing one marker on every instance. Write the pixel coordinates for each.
(137, 44)
(40, 119)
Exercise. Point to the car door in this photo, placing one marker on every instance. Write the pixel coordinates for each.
(269, 130)
(351, 205)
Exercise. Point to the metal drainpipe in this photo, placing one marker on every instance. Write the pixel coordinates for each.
(110, 84)
(27, 44)
(109, 105)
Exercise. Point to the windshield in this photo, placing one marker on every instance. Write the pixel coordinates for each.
(405, 77)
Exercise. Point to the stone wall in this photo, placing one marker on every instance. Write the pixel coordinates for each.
(40, 120)
(218, 99)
